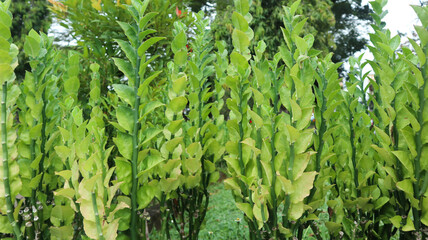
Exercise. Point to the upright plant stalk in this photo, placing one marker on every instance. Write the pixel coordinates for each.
(135, 141)
(421, 184)
(9, 63)
(6, 183)
(42, 61)
(134, 69)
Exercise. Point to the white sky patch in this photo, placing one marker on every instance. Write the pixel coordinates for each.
(401, 16)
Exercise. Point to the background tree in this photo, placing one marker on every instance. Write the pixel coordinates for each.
(352, 18)
(27, 15)
(337, 25)
(94, 26)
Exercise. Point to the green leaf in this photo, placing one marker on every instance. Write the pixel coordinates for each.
(257, 120)
(36, 131)
(63, 152)
(409, 224)
(242, 6)
(32, 47)
(169, 184)
(172, 144)
(61, 215)
(179, 42)
(126, 93)
(66, 192)
(192, 165)
(383, 136)
(150, 159)
(423, 35)
(298, 28)
(396, 221)
(63, 233)
(146, 194)
(128, 50)
(149, 134)
(301, 44)
(125, 118)
(124, 174)
(145, 33)
(5, 19)
(145, 85)
(123, 142)
(5, 226)
(180, 58)
(240, 41)
(294, 7)
(239, 61)
(296, 211)
(292, 134)
(150, 107)
(239, 22)
(419, 52)
(380, 202)
(422, 13)
(174, 126)
(303, 185)
(424, 217)
(178, 104)
(77, 114)
(147, 44)
(4, 31)
(296, 110)
(72, 85)
(130, 33)
(246, 208)
(179, 85)
(143, 21)
(333, 228)
(126, 68)
(300, 163)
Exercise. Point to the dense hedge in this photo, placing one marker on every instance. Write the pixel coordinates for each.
(295, 142)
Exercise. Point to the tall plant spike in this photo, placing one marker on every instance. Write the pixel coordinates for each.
(10, 182)
(128, 114)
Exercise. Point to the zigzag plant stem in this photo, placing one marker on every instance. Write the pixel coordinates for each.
(96, 213)
(33, 175)
(6, 183)
(43, 133)
(135, 141)
(353, 154)
(418, 139)
(274, 227)
(287, 166)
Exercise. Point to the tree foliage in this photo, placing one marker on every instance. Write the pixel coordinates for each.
(349, 15)
(27, 15)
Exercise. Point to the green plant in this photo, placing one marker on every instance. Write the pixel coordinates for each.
(400, 96)
(129, 116)
(10, 181)
(195, 132)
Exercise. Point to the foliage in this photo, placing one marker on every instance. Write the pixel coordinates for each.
(349, 15)
(268, 15)
(26, 16)
(81, 161)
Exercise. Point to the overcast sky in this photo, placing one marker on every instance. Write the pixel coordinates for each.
(401, 16)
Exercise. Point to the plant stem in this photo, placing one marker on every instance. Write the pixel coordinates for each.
(96, 213)
(274, 152)
(43, 133)
(419, 146)
(6, 183)
(134, 161)
(353, 156)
